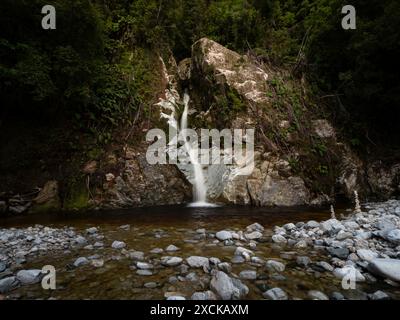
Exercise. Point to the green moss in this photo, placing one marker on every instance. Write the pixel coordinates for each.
(49, 206)
(77, 197)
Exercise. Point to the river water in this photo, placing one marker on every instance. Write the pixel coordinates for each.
(158, 227)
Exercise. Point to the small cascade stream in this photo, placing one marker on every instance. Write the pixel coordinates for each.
(192, 169)
(199, 184)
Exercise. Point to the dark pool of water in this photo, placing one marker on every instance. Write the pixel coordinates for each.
(177, 215)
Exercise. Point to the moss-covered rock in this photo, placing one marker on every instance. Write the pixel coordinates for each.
(48, 198)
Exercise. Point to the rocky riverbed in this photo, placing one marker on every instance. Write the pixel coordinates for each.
(251, 257)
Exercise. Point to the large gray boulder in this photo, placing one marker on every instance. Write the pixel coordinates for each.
(387, 268)
(8, 284)
(198, 262)
(226, 287)
(29, 276)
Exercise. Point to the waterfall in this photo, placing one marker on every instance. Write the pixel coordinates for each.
(193, 170)
(199, 185)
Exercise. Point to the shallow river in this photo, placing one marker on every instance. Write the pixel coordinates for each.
(158, 227)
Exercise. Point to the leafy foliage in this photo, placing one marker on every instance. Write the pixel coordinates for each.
(83, 71)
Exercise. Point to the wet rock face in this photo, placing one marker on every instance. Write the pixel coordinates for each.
(142, 184)
(229, 67)
(48, 198)
(270, 184)
(384, 180)
(351, 174)
(288, 192)
(217, 70)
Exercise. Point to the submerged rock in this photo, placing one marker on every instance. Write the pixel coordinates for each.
(275, 294)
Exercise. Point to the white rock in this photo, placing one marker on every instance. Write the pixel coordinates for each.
(317, 295)
(275, 294)
(332, 226)
(387, 268)
(275, 266)
(205, 295)
(176, 298)
(240, 251)
(118, 245)
(301, 244)
(248, 274)
(92, 230)
(312, 224)
(171, 261)
(198, 262)
(255, 227)
(366, 254)
(29, 276)
(171, 248)
(253, 235)
(351, 225)
(325, 265)
(289, 226)
(223, 235)
(350, 272)
(81, 261)
(379, 295)
(394, 236)
(98, 263)
(144, 265)
(227, 288)
(277, 238)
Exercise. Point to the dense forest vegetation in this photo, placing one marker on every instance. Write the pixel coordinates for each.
(94, 70)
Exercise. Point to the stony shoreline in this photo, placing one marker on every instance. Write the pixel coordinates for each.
(363, 246)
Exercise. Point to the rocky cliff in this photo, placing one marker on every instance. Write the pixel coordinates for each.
(299, 157)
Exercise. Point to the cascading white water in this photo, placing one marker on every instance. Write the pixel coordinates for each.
(199, 185)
